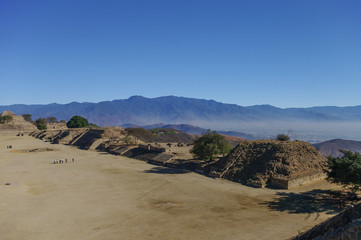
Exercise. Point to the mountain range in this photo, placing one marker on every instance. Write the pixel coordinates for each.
(262, 120)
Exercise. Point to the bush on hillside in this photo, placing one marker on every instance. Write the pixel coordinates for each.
(77, 122)
(141, 134)
(162, 131)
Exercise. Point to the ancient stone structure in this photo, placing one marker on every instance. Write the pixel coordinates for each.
(16, 125)
(152, 148)
(269, 162)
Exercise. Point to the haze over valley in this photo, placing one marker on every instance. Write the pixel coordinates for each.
(314, 124)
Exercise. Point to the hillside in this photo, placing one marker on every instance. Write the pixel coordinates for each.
(160, 135)
(191, 129)
(332, 147)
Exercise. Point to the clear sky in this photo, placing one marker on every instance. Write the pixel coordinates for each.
(290, 53)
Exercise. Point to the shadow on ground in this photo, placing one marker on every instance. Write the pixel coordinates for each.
(315, 201)
(166, 170)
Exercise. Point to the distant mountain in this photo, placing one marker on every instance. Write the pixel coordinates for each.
(141, 110)
(345, 113)
(261, 120)
(332, 147)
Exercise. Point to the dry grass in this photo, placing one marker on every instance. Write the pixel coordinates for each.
(102, 196)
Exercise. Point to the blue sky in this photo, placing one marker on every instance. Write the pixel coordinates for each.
(284, 53)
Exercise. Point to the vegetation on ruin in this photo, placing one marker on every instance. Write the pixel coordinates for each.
(51, 119)
(93, 125)
(77, 122)
(210, 145)
(40, 123)
(27, 117)
(345, 170)
(5, 119)
(129, 140)
(283, 137)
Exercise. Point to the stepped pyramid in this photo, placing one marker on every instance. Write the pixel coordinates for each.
(270, 162)
(17, 125)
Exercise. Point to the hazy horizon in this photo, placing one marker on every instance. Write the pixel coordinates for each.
(264, 104)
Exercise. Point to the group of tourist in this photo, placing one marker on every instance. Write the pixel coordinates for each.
(9, 146)
(60, 161)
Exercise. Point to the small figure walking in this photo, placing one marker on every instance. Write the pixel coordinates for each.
(66, 160)
(73, 160)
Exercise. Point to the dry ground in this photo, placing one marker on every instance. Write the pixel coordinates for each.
(101, 196)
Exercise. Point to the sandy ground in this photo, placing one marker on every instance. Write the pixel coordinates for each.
(101, 196)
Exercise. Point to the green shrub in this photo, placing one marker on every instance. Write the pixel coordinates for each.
(77, 122)
(283, 137)
(129, 140)
(209, 145)
(5, 119)
(27, 117)
(51, 119)
(40, 123)
(345, 170)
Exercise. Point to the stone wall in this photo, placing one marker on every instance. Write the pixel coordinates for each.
(291, 183)
(152, 148)
(303, 180)
(56, 126)
(345, 226)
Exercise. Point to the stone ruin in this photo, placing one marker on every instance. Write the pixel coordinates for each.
(16, 125)
(271, 163)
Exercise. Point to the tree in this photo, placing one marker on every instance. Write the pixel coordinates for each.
(62, 121)
(210, 145)
(27, 117)
(283, 137)
(51, 119)
(77, 122)
(345, 170)
(5, 119)
(40, 123)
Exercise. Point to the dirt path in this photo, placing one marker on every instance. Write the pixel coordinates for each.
(101, 196)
